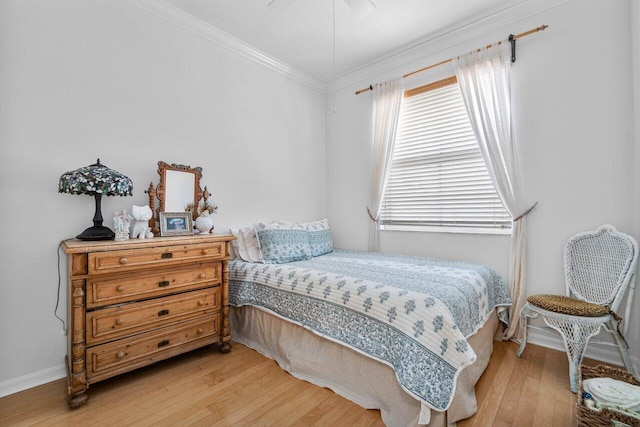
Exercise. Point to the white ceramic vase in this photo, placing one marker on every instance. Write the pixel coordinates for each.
(204, 223)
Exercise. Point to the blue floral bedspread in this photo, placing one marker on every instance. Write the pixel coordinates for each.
(413, 314)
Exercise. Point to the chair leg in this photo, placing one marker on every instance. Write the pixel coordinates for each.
(575, 358)
(575, 337)
(622, 346)
(575, 345)
(525, 314)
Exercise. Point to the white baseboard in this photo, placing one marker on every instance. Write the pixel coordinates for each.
(603, 353)
(32, 380)
(545, 339)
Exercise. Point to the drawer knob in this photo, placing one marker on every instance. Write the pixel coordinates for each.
(202, 276)
(119, 321)
(163, 312)
(166, 255)
(163, 343)
(200, 331)
(200, 302)
(163, 283)
(120, 355)
(123, 260)
(205, 251)
(120, 288)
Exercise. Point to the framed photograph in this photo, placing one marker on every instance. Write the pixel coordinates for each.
(176, 223)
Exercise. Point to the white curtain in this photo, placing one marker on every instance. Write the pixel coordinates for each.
(387, 99)
(485, 81)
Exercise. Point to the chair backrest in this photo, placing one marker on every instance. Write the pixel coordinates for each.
(599, 265)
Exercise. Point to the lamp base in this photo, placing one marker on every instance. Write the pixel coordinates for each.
(97, 232)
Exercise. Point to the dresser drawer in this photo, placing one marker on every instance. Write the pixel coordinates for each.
(111, 290)
(129, 259)
(115, 322)
(124, 355)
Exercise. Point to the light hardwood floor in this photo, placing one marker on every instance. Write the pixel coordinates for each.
(243, 388)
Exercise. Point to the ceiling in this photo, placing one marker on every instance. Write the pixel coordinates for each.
(300, 32)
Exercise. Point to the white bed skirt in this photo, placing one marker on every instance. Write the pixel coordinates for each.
(367, 382)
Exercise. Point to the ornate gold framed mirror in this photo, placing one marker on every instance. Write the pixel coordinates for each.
(179, 188)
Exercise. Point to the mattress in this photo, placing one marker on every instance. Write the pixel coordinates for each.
(414, 315)
(354, 376)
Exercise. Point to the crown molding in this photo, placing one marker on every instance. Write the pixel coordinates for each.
(403, 56)
(443, 40)
(190, 23)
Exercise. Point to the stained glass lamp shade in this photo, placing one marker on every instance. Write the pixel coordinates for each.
(96, 180)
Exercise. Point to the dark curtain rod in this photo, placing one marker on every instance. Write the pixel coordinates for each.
(512, 40)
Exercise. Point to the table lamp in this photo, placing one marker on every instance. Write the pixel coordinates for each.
(96, 180)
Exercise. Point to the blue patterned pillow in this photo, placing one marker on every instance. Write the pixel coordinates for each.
(283, 243)
(320, 238)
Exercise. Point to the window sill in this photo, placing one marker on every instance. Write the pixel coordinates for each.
(453, 230)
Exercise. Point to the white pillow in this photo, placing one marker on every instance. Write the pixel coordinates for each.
(246, 244)
(320, 239)
(239, 245)
(251, 244)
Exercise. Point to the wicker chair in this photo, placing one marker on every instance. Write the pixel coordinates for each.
(599, 267)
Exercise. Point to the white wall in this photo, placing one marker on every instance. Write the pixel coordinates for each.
(573, 119)
(81, 80)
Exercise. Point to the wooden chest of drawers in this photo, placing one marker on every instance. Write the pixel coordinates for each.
(136, 302)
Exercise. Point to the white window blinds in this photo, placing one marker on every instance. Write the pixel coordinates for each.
(438, 177)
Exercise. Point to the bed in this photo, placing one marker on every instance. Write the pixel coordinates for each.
(409, 336)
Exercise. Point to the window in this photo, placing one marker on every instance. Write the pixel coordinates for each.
(438, 180)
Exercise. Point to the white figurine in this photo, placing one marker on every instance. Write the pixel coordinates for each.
(121, 226)
(140, 223)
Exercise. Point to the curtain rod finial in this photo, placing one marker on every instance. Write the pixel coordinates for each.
(512, 40)
(370, 88)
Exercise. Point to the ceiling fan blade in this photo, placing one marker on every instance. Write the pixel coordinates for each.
(361, 8)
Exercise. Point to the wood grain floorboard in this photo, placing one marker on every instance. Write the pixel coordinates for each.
(244, 388)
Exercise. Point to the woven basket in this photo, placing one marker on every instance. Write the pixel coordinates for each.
(605, 417)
